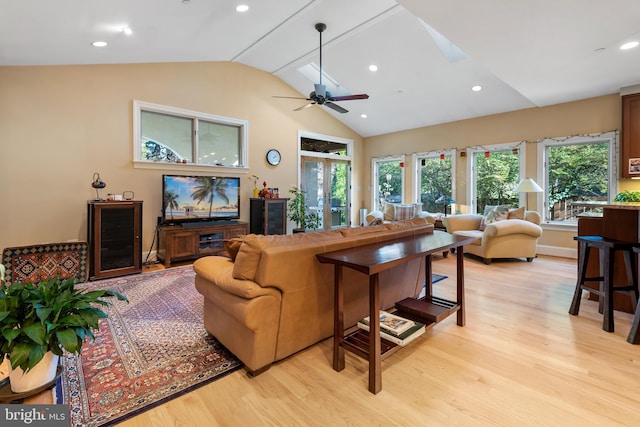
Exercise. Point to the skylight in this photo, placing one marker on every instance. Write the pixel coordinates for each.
(450, 51)
(312, 72)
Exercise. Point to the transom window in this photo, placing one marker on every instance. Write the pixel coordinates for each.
(172, 135)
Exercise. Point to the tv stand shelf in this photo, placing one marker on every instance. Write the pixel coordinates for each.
(178, 243)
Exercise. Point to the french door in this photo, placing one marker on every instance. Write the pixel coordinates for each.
(326, 182)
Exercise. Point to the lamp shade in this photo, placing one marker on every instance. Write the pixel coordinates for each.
(445, 199)
(528, 185)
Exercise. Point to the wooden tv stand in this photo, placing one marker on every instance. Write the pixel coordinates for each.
(182, 243)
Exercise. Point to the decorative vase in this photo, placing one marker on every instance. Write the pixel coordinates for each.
(256, 192)
(44, 372)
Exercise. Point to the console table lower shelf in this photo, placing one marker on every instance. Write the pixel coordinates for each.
(428, 311)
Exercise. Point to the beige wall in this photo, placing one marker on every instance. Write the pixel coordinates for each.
(576, 118)
(59, 125)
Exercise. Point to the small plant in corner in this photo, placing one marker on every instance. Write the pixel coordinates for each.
(50, 316)
(298, 211)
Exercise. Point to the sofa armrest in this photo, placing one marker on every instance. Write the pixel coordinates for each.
(218, 271)
(461, 222)
(512, 226)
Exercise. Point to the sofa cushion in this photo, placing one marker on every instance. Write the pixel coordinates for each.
(476, 234)
(357, 231)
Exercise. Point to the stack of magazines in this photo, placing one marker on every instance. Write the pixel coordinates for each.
(396, 329)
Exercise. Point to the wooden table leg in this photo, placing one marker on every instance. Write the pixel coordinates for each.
(375, 347)
(428, 277)
(338, 320)
(460, 286)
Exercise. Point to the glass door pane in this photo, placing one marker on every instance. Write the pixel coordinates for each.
(326, 183)
(312, 183)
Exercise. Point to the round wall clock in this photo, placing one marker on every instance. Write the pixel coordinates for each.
(273, 157)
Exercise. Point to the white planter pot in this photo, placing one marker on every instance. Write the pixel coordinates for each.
(5, 368)
(41, 374)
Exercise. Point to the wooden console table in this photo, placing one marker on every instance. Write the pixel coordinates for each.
(373, 259)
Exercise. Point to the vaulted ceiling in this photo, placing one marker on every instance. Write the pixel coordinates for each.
(429, 53)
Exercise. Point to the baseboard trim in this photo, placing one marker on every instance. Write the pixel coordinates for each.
(557, 251)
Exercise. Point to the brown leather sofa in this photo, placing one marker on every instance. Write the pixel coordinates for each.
(275, 298)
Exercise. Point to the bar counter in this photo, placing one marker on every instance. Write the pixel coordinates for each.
(621, 221)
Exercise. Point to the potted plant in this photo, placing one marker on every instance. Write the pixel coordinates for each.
(298, 212)
(40, 320)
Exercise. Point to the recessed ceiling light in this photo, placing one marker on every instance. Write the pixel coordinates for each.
(629, 45)
(364, 116)
(242, 8)
(476, 88)
(373, 67)
(127, 30)
(99, 44)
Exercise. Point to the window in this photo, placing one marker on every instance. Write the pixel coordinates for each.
(495, 172)
(171, 135)
(388, 181)
(578, 174)
(434, 179)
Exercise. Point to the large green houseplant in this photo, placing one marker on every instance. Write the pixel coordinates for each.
(298, 211)
(50, 316)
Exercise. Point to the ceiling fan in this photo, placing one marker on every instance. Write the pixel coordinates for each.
(321, 96)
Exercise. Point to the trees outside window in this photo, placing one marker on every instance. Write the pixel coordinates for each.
(578, 174)
(435, 172)
(495, 173)
(388, 181)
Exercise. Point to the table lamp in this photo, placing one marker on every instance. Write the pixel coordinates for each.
(446, 200)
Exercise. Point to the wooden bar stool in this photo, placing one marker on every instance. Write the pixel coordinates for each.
(607, 249)
(634, 333)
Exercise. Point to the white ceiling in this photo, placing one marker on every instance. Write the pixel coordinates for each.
(523, 53)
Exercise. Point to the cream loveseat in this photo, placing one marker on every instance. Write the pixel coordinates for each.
(275, 298)
(506, 238)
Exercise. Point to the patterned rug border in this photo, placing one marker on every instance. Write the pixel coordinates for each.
(235, 364)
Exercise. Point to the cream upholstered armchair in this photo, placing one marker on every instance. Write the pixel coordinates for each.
(510, 237)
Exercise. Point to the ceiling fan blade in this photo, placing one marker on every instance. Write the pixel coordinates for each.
(305, 106)
(335, 107)
(292, 97)
(320, 90)
(349, 97)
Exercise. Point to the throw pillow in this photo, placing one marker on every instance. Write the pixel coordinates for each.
(402, 212)
(374, 218)
(516, 213)
(232, 246)
(495, 213)
(388, 211)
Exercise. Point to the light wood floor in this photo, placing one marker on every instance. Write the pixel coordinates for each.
(521, 360)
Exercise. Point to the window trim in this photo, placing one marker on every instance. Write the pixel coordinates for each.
(374, 181)
(472, 192)
(243, 125)
(542, 144)
(416, 157)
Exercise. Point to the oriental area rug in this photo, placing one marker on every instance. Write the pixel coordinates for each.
(151, 350)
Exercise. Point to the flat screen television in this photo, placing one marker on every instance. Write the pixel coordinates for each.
(199, 198)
